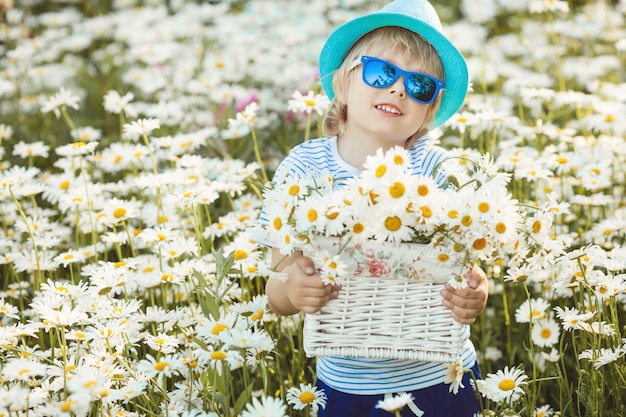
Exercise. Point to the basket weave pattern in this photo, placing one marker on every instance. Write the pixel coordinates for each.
(383, 318)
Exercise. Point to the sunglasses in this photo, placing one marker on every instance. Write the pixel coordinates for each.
(379, 73)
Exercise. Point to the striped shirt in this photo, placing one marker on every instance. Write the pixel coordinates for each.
(367, 376)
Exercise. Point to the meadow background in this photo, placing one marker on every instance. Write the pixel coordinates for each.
(135, 139)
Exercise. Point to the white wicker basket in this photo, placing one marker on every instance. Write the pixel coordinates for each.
(386, 316)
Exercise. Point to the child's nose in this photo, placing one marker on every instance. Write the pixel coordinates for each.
(398, 87)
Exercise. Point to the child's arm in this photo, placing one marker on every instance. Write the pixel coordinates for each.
(302, 291)
(467, 304)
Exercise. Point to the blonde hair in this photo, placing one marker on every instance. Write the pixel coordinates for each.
(398, 40)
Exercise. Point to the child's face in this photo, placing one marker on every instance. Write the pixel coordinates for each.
(384, 117)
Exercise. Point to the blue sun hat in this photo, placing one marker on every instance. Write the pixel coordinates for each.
(418, 16)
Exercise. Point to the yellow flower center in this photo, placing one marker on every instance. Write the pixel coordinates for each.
(422, 190)
(217, 329)
(161, 365)
(398, 160)
(278, 223)
(426, 212)
(380, 171)
(67, 406)
(546, 333)
(537, 227)
(480, 244)
(294, 189)
(64, 185)
(258, 315)
(218, 355)
(393, 223)
(240, 254)
(396, 190)
(443, 257)
(483, 207)
(307, 397)
(358, 228)
(501, 227)
(312, 215)
(119, 213)
(506, 384)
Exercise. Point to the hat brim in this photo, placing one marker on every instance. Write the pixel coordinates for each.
(455, 69)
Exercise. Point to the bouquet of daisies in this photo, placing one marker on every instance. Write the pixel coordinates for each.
(390, 222)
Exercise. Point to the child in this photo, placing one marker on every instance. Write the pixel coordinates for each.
(391, 75)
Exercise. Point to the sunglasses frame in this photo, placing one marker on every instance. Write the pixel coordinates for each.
(364, 59)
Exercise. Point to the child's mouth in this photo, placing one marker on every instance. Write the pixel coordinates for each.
(389, 109)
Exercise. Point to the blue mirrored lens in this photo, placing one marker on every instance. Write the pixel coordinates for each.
(379, 74)
(420, 87)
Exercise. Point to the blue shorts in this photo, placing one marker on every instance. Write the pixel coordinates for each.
(434, 401)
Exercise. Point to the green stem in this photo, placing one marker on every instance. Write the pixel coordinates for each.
(38, 272)
(307, 132)
(258, 154)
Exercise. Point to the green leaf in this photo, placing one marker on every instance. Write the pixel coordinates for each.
(243, 399)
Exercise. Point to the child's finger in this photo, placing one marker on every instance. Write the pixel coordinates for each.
(306, 265)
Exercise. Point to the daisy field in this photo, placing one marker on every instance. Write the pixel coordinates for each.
(136, 139)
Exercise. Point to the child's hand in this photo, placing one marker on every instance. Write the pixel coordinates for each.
(302, 291)
(304, 287)
(466, 304)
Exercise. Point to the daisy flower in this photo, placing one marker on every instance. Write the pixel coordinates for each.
(29, 150)
(77, 148)
(6, 132)
(553, 356)
(267, 406)
(140, 127)
(69, 257)
(62, 99)
(115, 103)
(23, 369)
(306, 395)
(393, 194)
(166, 365)
(518, 273)
(116, 211)
(253, 310)
(598, 327)
(532, 310)
(572, 317)
(222, 357)
(395, 403)
(602, 356)
(86, 134)
(544, 411)
(392, 227)
(454, 376)
(329, 267)
(384, 165)
(236, 129)
(308, 103)
(308, 215)
(162, 343)
(333, 215)
(545, 333)
(8, 310)
(505, 386)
